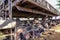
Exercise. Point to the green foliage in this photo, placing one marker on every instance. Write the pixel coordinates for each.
(58, 3)
(1, 36)
(1, 33)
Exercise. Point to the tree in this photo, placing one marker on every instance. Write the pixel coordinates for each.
(58, 4)
(1, 36)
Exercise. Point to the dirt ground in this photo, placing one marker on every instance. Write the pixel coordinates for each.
(55, 36)
(51, 35)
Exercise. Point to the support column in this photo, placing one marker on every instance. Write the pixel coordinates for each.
(3, 12)
(55, 19)
(34, 23)
(44, 23)
(10, 14)
(10, 9)
(44, 19)
(15, 33)
(49, 21)
(11, 35)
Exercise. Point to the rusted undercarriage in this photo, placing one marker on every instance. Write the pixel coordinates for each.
(31, 7)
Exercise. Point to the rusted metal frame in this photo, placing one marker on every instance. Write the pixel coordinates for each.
(32, 2)
(30, 10)
(0, 12)
(5, 14)
(7, 4)
(40, 6)
(13, 4)
(3, 11)
(25, 14)
(10, 13)
(44, 6)
(19, 14)
(44, 19)
(16, 2)
(44, 2)
(57, 12)
(10, 9)
(52, 9)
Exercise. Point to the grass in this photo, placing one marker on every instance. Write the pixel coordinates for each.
(1, 36)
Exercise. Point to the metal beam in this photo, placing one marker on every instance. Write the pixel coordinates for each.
(43, 4)
(17, 2)
(10, 9)
(31, 11)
